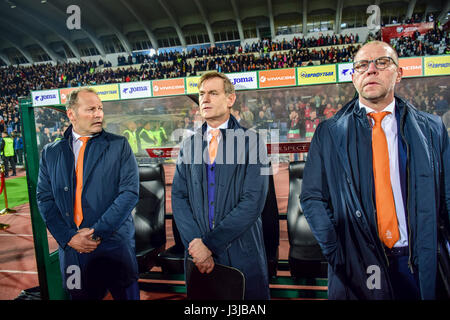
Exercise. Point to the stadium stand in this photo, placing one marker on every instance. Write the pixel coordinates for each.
(18, 81)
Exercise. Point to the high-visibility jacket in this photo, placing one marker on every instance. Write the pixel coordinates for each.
(159, 135)
(8, 150)
(132, 140)
(146, 134)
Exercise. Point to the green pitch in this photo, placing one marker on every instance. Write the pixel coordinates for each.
(17, 191)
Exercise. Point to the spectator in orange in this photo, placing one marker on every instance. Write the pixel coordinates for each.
(329, 111)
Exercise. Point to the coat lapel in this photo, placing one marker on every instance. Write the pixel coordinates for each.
(198, 174)
(224, 166)
(420, 147)
(94, 150)
(343, 133)
(197, 162)
(420, 152)
(340, 135)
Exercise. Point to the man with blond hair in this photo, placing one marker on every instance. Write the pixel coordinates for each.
(88, 185)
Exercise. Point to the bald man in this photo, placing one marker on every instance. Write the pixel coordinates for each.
(376, 187)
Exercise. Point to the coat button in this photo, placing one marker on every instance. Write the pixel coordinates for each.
(358, 213)
(66, 188)
(67, 214)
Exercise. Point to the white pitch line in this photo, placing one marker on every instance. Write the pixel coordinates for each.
(18, 235)
(18, 271)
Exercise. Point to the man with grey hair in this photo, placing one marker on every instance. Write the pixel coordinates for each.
(88, 185)
(217, 202)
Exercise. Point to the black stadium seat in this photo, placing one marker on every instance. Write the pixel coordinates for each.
(149, 216)
(305, 257)
(271, 228)
(172, 259)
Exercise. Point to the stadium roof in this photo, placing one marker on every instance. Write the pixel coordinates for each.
(39, 30)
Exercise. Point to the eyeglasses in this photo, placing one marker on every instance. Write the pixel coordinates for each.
(381, 63)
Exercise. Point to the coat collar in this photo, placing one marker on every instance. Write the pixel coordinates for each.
(339, 130)
(68, 133)
(94, 149)
(232, 124)
(411, 122)
(199, 169)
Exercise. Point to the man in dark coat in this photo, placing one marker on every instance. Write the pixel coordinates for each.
(217, 198)
(339, 196)
(96, 244)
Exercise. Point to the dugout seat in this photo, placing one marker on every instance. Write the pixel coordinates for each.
(271, 228)
(149, 216)
(172, 259)
(305, 256)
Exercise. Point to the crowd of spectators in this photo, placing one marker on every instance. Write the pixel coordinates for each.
(291, 58)
(296, 112)
(9, 116)
(19, 80)
(416, 18)
(262, 47)
(255, 56)
(433, 42)
(16, 81)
